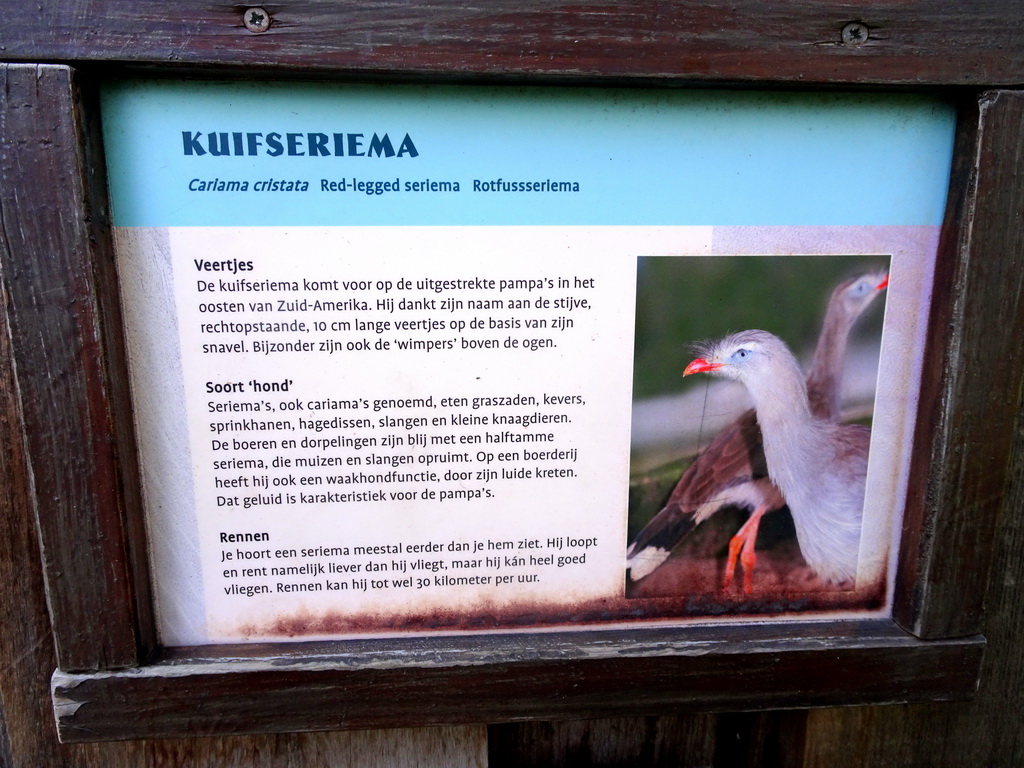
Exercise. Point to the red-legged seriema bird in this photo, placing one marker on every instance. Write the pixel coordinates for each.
(819, 466)
(732, 469)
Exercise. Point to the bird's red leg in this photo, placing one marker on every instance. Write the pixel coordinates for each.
(730, 564)
(749, 556)
(743, 542)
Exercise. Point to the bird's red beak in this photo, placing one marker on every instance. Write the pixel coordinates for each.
(883, 284)
(700, 365)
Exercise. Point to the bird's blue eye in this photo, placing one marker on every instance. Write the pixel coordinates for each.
(741, 353)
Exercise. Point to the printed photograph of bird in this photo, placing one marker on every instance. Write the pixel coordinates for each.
(735, 470)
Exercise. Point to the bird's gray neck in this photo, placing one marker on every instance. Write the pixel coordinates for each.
(781, 399)
(823, 380)
(788, 428)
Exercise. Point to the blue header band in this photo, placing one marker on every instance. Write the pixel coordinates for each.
(287, 154)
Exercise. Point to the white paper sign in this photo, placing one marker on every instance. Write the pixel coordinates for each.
(382, 340)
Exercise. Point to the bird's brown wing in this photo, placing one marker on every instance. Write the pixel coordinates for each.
(732, 459)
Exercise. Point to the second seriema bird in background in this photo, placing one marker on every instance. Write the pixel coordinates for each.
(732, 469)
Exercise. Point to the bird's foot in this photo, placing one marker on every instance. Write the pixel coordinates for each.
(741, 547)
(735, 546)
(748, 559)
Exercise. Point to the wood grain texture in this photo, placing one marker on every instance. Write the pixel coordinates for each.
(761, 739)
(639, 742)
(740, 740)
(26, 645)
(971, 382)
(591, 675)
(927, 42)
(64, 325)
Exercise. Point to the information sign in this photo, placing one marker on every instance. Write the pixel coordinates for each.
(409, 358)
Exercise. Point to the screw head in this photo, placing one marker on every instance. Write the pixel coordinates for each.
(855, 33)
(256, 20)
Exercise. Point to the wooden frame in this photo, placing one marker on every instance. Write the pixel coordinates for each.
(114, 681)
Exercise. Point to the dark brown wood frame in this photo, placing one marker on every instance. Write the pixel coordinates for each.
(63, 320)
